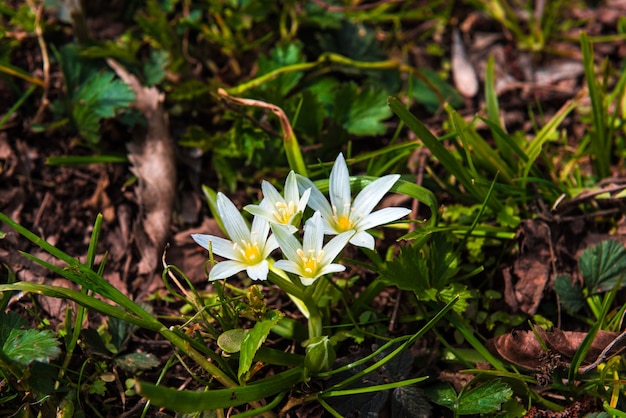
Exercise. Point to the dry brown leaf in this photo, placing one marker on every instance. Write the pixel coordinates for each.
(531, 269)
(153, 162)
(523, 349)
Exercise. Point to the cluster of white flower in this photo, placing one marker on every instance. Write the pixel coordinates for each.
(349, 220)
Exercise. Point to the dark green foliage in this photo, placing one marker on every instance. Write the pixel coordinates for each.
(429, 271)
(603, 266)
(92, 93)
(570, 294)
(25, 345)
(484, 398)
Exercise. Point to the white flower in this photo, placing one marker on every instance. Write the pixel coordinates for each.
(310, 259)
(342, 214)
(278, 209)
(248, 249)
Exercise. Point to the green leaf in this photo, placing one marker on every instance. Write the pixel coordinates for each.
(603, 266)
(104, 94)
(483, 399)
(282, 56)
(353, 40)
(424, 94)
(189, 401)
(100, 97)
(453, 290)
(230, 341)
(409, 270)
(137, 361)
(28, 345)
(441, 394)
(570, 294)
(253, 340)
(155, 68)
(99, 387)
(361, 111)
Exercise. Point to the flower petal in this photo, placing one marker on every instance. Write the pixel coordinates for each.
(371, 194)
(258, 271)
(270, 193)
(334, 247)
(363, 239)
(260, 230)
(381, 217)
(234, 223)
(331, 268)
(313, 234)
(219, 246)
(226, 269)
(291, 188)
(308, 281)
(261, 210)
(317, 201)
(288, 266)
(304, 200)
(340, 197)
(287, 242)
(270, 245)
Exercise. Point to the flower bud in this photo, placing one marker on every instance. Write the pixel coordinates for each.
(320, 355)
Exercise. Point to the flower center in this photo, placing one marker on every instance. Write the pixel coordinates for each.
(344, 223)
(311, 262)
(250, 252)
(285, 211)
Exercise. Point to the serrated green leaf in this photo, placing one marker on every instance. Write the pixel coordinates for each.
(603, 266)
(99, 387)
(483, 399)
(87, 123)
(570, 294)
(155, 68)
(28, 345)
(253, 340)
(361, 111)
(137, 361)
(409, 270)
(104, 95)
(453, 290)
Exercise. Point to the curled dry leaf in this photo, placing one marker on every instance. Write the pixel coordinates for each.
(523, 349)
(153, 160)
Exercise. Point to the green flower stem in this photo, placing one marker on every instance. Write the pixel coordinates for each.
(306, 296)
(329, 59)
(290, 141)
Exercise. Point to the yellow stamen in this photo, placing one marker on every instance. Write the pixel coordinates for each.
(250, 252)
(310, 263)
(285, 211)
(344, 223)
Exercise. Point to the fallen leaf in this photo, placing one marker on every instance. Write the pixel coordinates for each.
(523, 349)
(153, 162)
